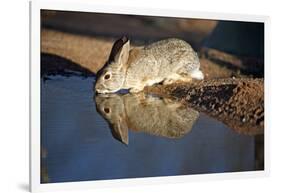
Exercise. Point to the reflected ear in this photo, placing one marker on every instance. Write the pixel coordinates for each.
(121, 130)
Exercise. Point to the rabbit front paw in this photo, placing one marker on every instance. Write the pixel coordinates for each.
(135, 90)
(169, 81)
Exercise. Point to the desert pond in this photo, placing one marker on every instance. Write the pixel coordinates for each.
(78, 144)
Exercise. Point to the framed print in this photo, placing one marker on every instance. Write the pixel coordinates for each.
(125, 95)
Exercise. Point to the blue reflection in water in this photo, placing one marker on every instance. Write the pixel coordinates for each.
(79, 145)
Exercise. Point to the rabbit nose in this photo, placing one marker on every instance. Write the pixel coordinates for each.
(100, 89)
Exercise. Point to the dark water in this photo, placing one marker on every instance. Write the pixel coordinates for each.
(77, 143)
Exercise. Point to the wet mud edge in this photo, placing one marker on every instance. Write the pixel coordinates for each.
(238, 103)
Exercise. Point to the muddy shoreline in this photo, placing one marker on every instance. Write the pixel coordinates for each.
(239, 102)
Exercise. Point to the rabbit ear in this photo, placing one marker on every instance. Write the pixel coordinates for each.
(120, 51)
(116, 47)
(123, 55)
(115, 52)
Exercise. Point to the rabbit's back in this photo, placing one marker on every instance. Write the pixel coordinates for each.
(174, 53)
(160, 59)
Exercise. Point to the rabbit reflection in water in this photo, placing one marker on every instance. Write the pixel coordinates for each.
(144, 113)
(165, 61)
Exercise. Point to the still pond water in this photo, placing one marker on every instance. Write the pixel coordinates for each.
(77, 143)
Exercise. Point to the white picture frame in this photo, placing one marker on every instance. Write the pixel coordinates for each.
(89, 6)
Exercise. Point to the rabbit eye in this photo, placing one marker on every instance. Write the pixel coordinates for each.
(106, 77)
(106, 110)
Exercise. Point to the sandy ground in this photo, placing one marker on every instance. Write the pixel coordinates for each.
(86, 52)
(137, 28)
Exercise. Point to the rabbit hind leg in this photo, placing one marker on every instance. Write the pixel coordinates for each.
(176, 78)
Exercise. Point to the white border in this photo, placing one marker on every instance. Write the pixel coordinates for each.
(90, 6)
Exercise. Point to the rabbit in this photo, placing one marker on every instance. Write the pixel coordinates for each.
(165, 61)
(145, 113)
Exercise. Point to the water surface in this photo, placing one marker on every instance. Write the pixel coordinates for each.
(77, 142)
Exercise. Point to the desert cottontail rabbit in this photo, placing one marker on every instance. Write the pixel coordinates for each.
(164, 61)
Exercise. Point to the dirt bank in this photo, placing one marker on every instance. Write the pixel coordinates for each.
(239, 103)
